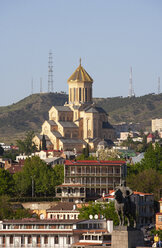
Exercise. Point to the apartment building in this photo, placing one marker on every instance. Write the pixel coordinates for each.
(54, 233)
(89, 179)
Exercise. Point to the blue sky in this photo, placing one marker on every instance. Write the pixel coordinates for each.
(109, 36)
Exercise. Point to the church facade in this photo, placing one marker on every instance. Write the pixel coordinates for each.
(79, 121)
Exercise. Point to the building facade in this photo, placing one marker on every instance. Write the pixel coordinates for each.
(159, 217)
(90, 179)
(53, 233)
(79, 121)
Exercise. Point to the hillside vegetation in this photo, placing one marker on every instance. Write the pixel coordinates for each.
(30, 112)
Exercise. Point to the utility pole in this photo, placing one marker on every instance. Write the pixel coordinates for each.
(32, 177)
(40, 85)
(32, 86)
(131, 90)
(158, 85)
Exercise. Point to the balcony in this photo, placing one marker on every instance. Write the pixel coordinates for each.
(70, 195)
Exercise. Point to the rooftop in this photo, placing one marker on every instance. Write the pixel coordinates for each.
(80, 74)
(63, 206)
(63, 108)
(68, 124)
(94, 162)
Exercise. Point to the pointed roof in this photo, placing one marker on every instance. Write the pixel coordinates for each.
(80, 74)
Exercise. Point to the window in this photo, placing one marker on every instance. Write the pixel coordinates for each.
(86, 95)
(56, 239)
(68, 240)
(11, 239)
(80, 99)
(22, 240)
(45, 239)
(74, 94)
(160, 218)
(29, 239)
(38, 239)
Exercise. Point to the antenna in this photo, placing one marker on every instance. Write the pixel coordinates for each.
(40, 85)
(158, 85)
(50, 72)
(131, 90)
(32, 86)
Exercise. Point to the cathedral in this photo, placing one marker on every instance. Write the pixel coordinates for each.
(78, 122)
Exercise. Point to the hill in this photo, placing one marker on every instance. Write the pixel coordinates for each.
(30, 113)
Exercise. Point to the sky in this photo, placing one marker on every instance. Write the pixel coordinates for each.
(109, 36)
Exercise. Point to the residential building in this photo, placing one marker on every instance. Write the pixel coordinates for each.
(79, 121)
(144, 206)
(157, 125)
(159, 217)
(54, 233)
(89, 179)
(37, 233)
(63, 211)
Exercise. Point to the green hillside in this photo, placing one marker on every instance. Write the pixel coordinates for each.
(30, 113)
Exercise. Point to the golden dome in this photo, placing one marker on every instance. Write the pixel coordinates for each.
(80, 74)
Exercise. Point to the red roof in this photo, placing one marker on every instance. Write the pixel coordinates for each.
(150, 136)
(94, 162)
(141, 193)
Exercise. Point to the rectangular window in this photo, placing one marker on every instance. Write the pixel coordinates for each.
(46, 239)
(160, 218)
(85, 94)
(80, 94)
(11, 239)
(22, 240)
(74, 94)
(68, 240)
(29, 239)
(56, 239)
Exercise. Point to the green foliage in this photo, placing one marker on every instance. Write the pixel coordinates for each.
(8, 212)
(44, 143)
(107, 154)
(5, 208)
(44, 177)
(6, 182)
(27, 146)
(1, 150)
(82, 157)
(147, 181)
(158, 232)
(152, 158)
(86, 151)
(10, 154)
(104, 209)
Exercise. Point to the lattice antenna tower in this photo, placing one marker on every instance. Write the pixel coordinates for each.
(50, 72)
(158, 85)
(32, 86)
(40, 85)
(131, 90)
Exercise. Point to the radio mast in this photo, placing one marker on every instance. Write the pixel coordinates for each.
(50, 72)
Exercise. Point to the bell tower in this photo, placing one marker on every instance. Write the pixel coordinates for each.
(80, 87)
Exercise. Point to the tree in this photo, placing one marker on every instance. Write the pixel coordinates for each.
(152, 158)
(87, 151)
(1, 150)
(38, 177)
(107, 210)
(44, 143)
(8, 212)
(147, 181)
(5, 208)
(6, 182)
(27, 146)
